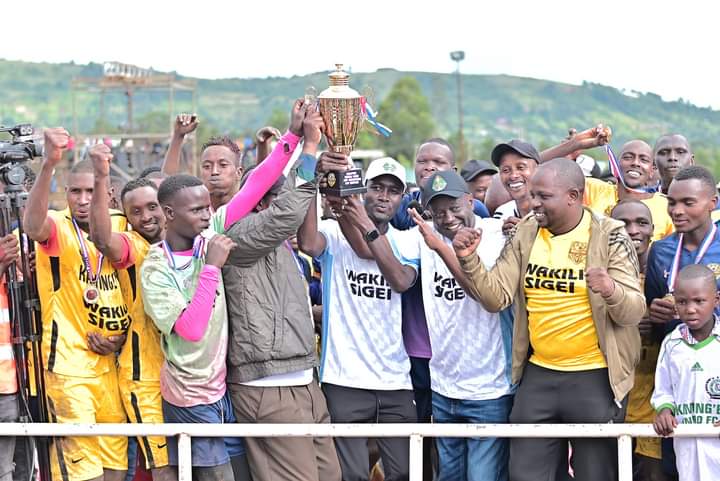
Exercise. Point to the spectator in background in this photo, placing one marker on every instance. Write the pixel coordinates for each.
(116, 187)
(478, 175)
(672, 152)
(647, 465)
(9, 403)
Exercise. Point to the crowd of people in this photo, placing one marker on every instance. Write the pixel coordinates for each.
(517, 290)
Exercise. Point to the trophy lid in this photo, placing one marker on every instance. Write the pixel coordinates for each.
(339, 85)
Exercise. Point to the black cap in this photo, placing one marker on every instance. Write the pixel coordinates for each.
(473, 168)
(447, 182)
(521, 148)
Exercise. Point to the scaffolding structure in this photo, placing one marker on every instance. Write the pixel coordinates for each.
(129, 79)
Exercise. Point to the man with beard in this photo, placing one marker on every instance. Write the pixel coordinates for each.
(573, 278)
(470, 366)
(84, 316)
(364, 370)
(672, 152)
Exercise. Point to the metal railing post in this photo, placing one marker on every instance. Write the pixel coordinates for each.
(184, 457)
(625, 458)
(416, 457)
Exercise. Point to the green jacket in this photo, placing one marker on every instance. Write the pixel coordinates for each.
(616, 318)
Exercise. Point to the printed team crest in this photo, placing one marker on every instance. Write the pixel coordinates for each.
(331, 180)
(438, 183)
(578, 252)
(712, 387)
(389, 167)
(715, 268)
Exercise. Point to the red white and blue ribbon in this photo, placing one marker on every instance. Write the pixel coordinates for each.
(198, 246)
(617, 173)
(92, 276)
(702, 250)
(372, 118)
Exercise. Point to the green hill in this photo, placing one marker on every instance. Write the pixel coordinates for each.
(495, 106)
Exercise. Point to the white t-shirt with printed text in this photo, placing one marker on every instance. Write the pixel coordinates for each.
(362, 339)
(471, 346)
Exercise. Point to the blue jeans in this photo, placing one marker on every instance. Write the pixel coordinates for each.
(472, 459)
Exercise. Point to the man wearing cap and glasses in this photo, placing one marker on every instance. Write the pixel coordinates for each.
(470, 366)
(478, 175)
(364, 369)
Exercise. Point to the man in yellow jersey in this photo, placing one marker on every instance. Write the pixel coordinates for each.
(636, 166)
(647, 459)
(141, 357)
(573, 278)
(84, 318)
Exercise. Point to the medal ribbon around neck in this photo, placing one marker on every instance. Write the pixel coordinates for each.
(92, 276)
(675, 267)
(198, 246)
(617, 173)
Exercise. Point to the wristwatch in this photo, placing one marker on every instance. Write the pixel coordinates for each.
(371, 235)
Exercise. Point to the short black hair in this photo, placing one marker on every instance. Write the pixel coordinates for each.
(634, 202)
(673, 134)
(439, 141)
(700, 173)
(697, 271)
(82, 167)
(136, 184)
(225, 141)
(149, 170)
(174, 184)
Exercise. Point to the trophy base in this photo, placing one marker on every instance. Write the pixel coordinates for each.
(344, 183)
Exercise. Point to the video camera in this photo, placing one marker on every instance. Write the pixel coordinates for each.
(20, 148)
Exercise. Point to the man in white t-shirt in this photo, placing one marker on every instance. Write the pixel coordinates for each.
(364, 369)
(470, 367)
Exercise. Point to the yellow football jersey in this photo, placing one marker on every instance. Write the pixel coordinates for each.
(602, 197)
(141, 357)
(562, 331)
(67, 318)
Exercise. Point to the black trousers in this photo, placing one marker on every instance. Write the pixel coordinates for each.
(351, 405)
(548, 396)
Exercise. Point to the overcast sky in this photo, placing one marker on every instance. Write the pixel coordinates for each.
(666, 47)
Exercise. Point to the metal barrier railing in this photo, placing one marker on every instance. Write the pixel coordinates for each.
(416, 432)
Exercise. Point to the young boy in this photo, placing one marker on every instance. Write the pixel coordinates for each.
(687, 381)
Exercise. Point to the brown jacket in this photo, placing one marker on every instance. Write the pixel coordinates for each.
(616, 318)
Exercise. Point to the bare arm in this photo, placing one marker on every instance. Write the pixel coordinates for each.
(36, 222)
(111, 245)
(184, 124)
(263, 137)
(400, 277)
(577, 142)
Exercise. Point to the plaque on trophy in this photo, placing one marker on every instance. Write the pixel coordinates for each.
(343, 114)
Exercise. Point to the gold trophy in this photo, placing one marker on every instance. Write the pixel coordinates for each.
(343, 115)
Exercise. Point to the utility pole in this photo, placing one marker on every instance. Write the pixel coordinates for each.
(457, 56)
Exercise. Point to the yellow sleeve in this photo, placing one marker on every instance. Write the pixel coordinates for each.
(599, 196)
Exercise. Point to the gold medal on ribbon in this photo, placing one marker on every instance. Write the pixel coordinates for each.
(669, 298)
(91, 295)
